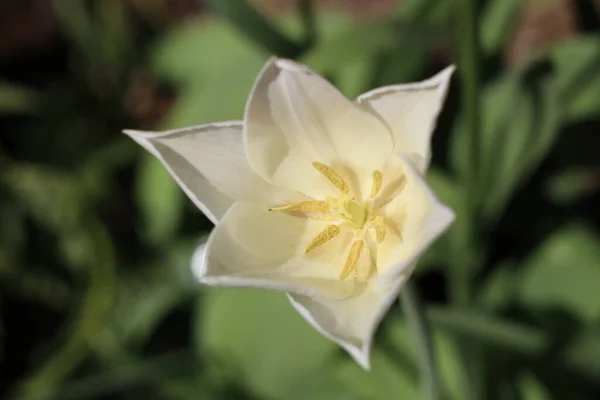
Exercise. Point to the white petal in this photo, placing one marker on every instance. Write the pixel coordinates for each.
(198, 261)
(422, 219)
(294, 117)
(350, 322)
(210, 165)
(252, 246)
(411, 111)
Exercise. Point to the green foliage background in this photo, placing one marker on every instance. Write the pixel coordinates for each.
(97, 300)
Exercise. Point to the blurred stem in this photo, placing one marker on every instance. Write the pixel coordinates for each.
(468, 48)
(469, 65)
(418, 324)
(308, 19)
(465, 258)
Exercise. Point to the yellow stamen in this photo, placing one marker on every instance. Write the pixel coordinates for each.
(325, 236)
(377, 182)
(333, 176)
(352, 259)
(304, 206)
(379, 226)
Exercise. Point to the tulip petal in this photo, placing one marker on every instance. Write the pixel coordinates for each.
(419, 217)
(411, 111)
(350, 322)
(210, 165)
(252, 246)
(294, 117)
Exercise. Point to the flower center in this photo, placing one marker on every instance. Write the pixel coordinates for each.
(347, 212)
(349, 209)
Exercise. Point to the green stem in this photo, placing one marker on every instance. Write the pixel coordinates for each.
(419, 326)
(308, 19)
(469, 66)
(468, 48)
(464, 257)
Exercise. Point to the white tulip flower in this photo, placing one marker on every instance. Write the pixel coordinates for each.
(315, 195)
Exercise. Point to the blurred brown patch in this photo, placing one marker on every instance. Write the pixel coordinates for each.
(159, 13)
(541, 23)
(25, 26)
(146, 101)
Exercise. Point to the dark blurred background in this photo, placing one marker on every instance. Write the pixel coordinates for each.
(97, 300)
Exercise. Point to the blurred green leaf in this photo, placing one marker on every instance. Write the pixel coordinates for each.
(520, 125)
(525, 142)
(12, 234)
(357, 42)
(531, 388)
(564, 272)
(444, 187)
(148, 294)
(488, 330)
(394, 370)
(255, 26)
(571, 185)
(384, 381)
(76, 24)
(578, 76)
(54, 198)
(101, 33)
(17, 99)
(329, 24)
(263, 342)
(50, 291)
(193, 388)
(352, 79)
(369, 40)
(435, 12)
(215, 68)
(583, 353)
(105, 161)
(88, 323)
(446, 191)
(499, 17)
(361, 56)
(450, 366)
(116, 37)
(160, 200)
(500, 287)
(191, 51)
(57, 201)
(133, 373)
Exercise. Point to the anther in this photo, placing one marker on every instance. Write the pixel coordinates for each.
(377, 182)
(325, 236)
(352, 259)
(333, 176)
(305, 206)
